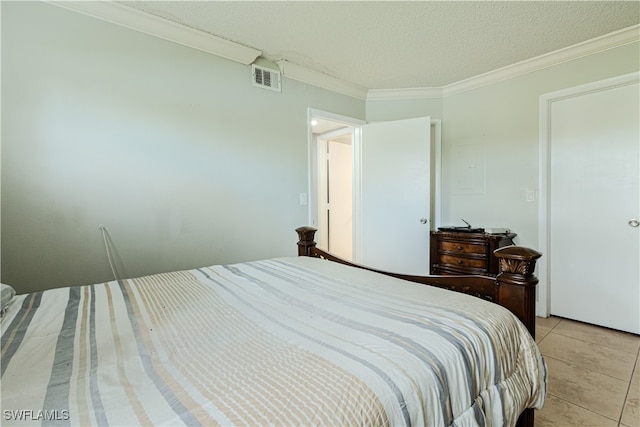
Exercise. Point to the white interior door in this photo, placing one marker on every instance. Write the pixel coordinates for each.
(594, 273)
(395, 195)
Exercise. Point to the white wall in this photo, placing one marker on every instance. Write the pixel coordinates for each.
(173, 150)
(498, 124)
(382, 110)
(502, 120)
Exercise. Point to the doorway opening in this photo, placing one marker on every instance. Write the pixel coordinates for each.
(336, 178)
(335, 192)
(333, 148)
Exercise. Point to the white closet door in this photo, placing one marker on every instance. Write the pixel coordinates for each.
(395, 195)
(594, 266)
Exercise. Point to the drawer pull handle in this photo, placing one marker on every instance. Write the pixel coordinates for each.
(460, 261)
(459, 248)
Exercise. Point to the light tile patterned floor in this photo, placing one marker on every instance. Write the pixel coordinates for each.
(594, 375)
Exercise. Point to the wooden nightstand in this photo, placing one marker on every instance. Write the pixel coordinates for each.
(461, 252)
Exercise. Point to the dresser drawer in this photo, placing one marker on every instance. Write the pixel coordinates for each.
(480, 263)
(463, 248)
(450, 270)
(454, 252)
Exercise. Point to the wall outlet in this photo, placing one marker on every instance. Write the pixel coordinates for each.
(303, 199)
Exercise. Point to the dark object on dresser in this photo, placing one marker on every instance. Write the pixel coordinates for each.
(463, 253)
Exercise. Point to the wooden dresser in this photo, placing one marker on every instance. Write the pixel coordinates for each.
(461, 252)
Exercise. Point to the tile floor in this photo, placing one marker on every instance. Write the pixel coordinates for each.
(594, 375)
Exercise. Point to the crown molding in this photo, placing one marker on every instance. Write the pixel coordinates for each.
(305, 75)
(570, 53)
(589, 47)
(149, 24)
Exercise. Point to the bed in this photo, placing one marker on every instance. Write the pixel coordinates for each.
(284, 341)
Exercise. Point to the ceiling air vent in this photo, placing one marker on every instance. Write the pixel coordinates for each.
(265, 78)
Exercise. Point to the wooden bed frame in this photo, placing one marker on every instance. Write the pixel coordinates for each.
(514, 288)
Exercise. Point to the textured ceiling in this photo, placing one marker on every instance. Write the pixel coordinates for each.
(401, 44)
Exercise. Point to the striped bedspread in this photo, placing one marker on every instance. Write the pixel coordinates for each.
(286, 341)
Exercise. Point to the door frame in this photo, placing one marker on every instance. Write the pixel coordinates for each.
(543, 306)
(355, 124)
(312, 158)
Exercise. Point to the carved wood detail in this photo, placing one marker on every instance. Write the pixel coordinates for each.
(517, 260)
